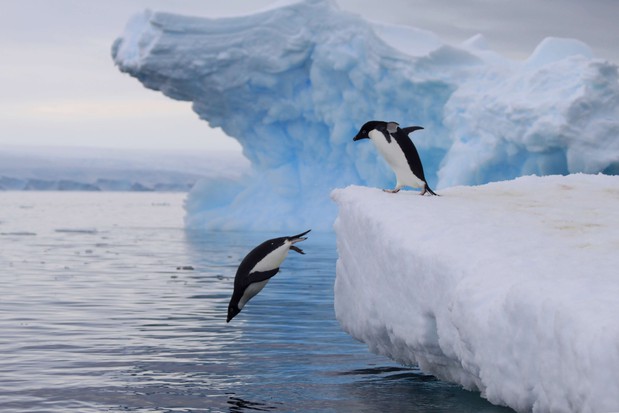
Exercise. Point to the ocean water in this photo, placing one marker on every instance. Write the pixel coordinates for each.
(108, 305)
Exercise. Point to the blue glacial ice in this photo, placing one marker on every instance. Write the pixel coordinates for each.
(293, 84)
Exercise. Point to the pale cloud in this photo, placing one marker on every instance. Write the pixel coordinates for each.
(85, 110)
(512, 28)
(59, 84)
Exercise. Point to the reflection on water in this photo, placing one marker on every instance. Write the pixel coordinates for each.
(109, 305)
(239, 405)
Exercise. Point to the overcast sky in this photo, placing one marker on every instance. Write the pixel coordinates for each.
(59, 86)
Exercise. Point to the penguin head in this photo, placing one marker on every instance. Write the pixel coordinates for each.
(368, 127)
(233, 310)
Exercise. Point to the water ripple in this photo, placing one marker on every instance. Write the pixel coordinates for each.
(96, 316)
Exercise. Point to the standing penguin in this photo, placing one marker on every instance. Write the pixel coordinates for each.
(258, 267)
(398, 150)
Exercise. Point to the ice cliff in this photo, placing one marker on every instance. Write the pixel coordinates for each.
(293, 84)
(509, 288)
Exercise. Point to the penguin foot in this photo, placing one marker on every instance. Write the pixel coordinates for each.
(297, 249)
(392, 191)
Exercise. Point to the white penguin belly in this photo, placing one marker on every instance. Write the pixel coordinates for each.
(392, 153)
(250, 292)
(273, 259)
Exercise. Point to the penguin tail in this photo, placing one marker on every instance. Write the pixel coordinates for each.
(428, 189)
(299, 237)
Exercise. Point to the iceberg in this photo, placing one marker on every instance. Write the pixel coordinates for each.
(293, 84)
(509, 288)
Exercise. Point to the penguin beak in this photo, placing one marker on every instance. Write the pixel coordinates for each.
(359, 137)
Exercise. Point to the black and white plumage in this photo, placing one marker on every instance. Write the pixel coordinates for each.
(393, 143)
(258, 267)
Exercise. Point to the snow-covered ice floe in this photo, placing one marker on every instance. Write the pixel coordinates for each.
(510, 288)
(294, 84)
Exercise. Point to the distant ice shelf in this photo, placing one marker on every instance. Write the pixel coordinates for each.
(96, 169)
(510, 288)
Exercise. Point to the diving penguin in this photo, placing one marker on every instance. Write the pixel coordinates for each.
(258, 267)
(399, 151)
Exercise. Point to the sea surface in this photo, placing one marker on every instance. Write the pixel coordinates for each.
(107, 304)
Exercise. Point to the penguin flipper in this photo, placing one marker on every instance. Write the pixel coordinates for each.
(259, 276)
(383, 129)
(389, 130)
(410, 129)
